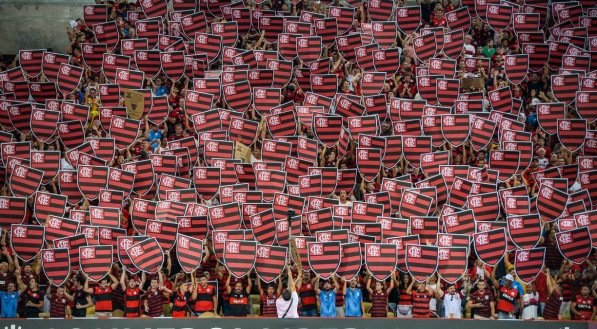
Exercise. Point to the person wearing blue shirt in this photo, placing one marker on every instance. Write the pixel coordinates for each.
(9, 299)
(327, 297)
(158, 88)
(353, 299)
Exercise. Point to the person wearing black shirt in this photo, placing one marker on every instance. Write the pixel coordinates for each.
(239, 298)
(82, 300)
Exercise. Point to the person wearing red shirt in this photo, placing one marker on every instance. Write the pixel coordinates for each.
(379, 296)
(306, 291)
(205, 297)
(421, 298)
(508, 297)
(269, 297)
(59, 301)
(132, 295)
(551, 311)
(102, 294)
(583, 305)
(481, 302)
(180, 300)
(153, 299)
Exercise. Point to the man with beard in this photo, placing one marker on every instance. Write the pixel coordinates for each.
(583, 306)
(481, 302)
(327, 296)
(353, 297)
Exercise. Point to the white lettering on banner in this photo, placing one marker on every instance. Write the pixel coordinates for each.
(105, 233)
(48, 256)
(448, 120)
(183, 242)
(358, 229)
(20, 171)
(414, 251)
(373, 250)
(66, 177)
(564, 125)
(418, 223)
(256, 221)
(54, 222)
(516, 223)
(43, 199)
(546, 192)
(511, 203)
(167, 181)
(522, 256)
(475, 202)
(359, 209)
(558, 81)
(424, 82)
(409, 198)
(140, 206)
(316, 249)
(63, 128)
(97, 213)
(232, 247)
(482, 239)
(19, 232)
(135, 251)
(88, 253)
(565, 238)
(497, 155)
(263, 252)
(410, 142)
(444, 241)
(4, 204)
(216, 213)
(62, 244)
(451, 221)
(123, 75)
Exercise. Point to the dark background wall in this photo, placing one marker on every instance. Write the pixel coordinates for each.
(36, 24)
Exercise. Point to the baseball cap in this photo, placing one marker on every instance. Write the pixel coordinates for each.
(509, 277)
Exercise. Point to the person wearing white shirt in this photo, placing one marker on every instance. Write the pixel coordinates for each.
(469, 49)
(530, 302)
(287, 303)
(452, 302)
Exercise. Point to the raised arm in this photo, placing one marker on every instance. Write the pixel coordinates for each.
(391, 286)
(123, 280)
(368, 285)
(227, 285)
(291, 284)
(335, 281)
(86, 284)
(317, 290)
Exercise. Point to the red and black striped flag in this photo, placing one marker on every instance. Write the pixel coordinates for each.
(275, 150)
(526, 22)
(208, 44)
(144, 175)
(67, 182)
(584, 99)
(455, 128)
(51, 63)
(163, 231)
(442, 66)
(351, 260)
(308, 49)
(239, 256)
(94, 14)
(309, 185)
(12, 211)
(26, 240)
(372, 83)
(588, 219)
(129, 79)
(270, 182)
(551, 202)
(384, 33)
(104, 216)
(490, 245)
(69, 77)
(501, 99)
(72, 244)
(528, 263)
(225, 217)
(482, 131)
(498, 16)
(90, 179)
(413, 147)
(344, 17)
(347, 45)
(124, 131)
(460, 222)
(43, 123)
(369, 162)
(243, 131)
(48, 204)
(270, 261)
(189, 251)
(40, 91)
(447, 91)
(19, 117)
(572, 133)
(109, 95)
(327, 128)
(307, 149)
(71, 133)
(111, 62)
(265, 98)
(575, 245)
(92, 53)
(24, 180)
(328, 178)
(148, 61)
(453, 43)
(400, 244)
(154, 8)
(421, 261)
(506, 162)
(380, 10)
(459, 20)
(324, 257)
(56, 265)
(320, 220)
(408, 18)
(431, 161)
(172, 64)
(264, 227)
(380, 259)
(538, 55)
(207, 181)
(95, 261)
(324, 84)
(524, 230)
(146, 255)
(128, 46)
(452, 263)
(281, 124)
(123, 243)
(238, 95)
(516, 67)
(564, 87)
(485, 206)
(425, 46)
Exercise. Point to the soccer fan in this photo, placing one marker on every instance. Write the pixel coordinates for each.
(379, 296)
(153, 297)
(530, 303)
(452, 301)
(268, 298)
(59, 302)
(421, 298)
(508, 298)
(353, 299)
(181, 299)
(287, 303)
(306, 289)
(481, 302)
(205, 297)
(132, 294)
(327, 296)
(583, 306)
(239, 297)
(82, 299)
(102, 294)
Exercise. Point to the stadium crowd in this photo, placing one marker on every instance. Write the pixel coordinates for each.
(561, 290)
